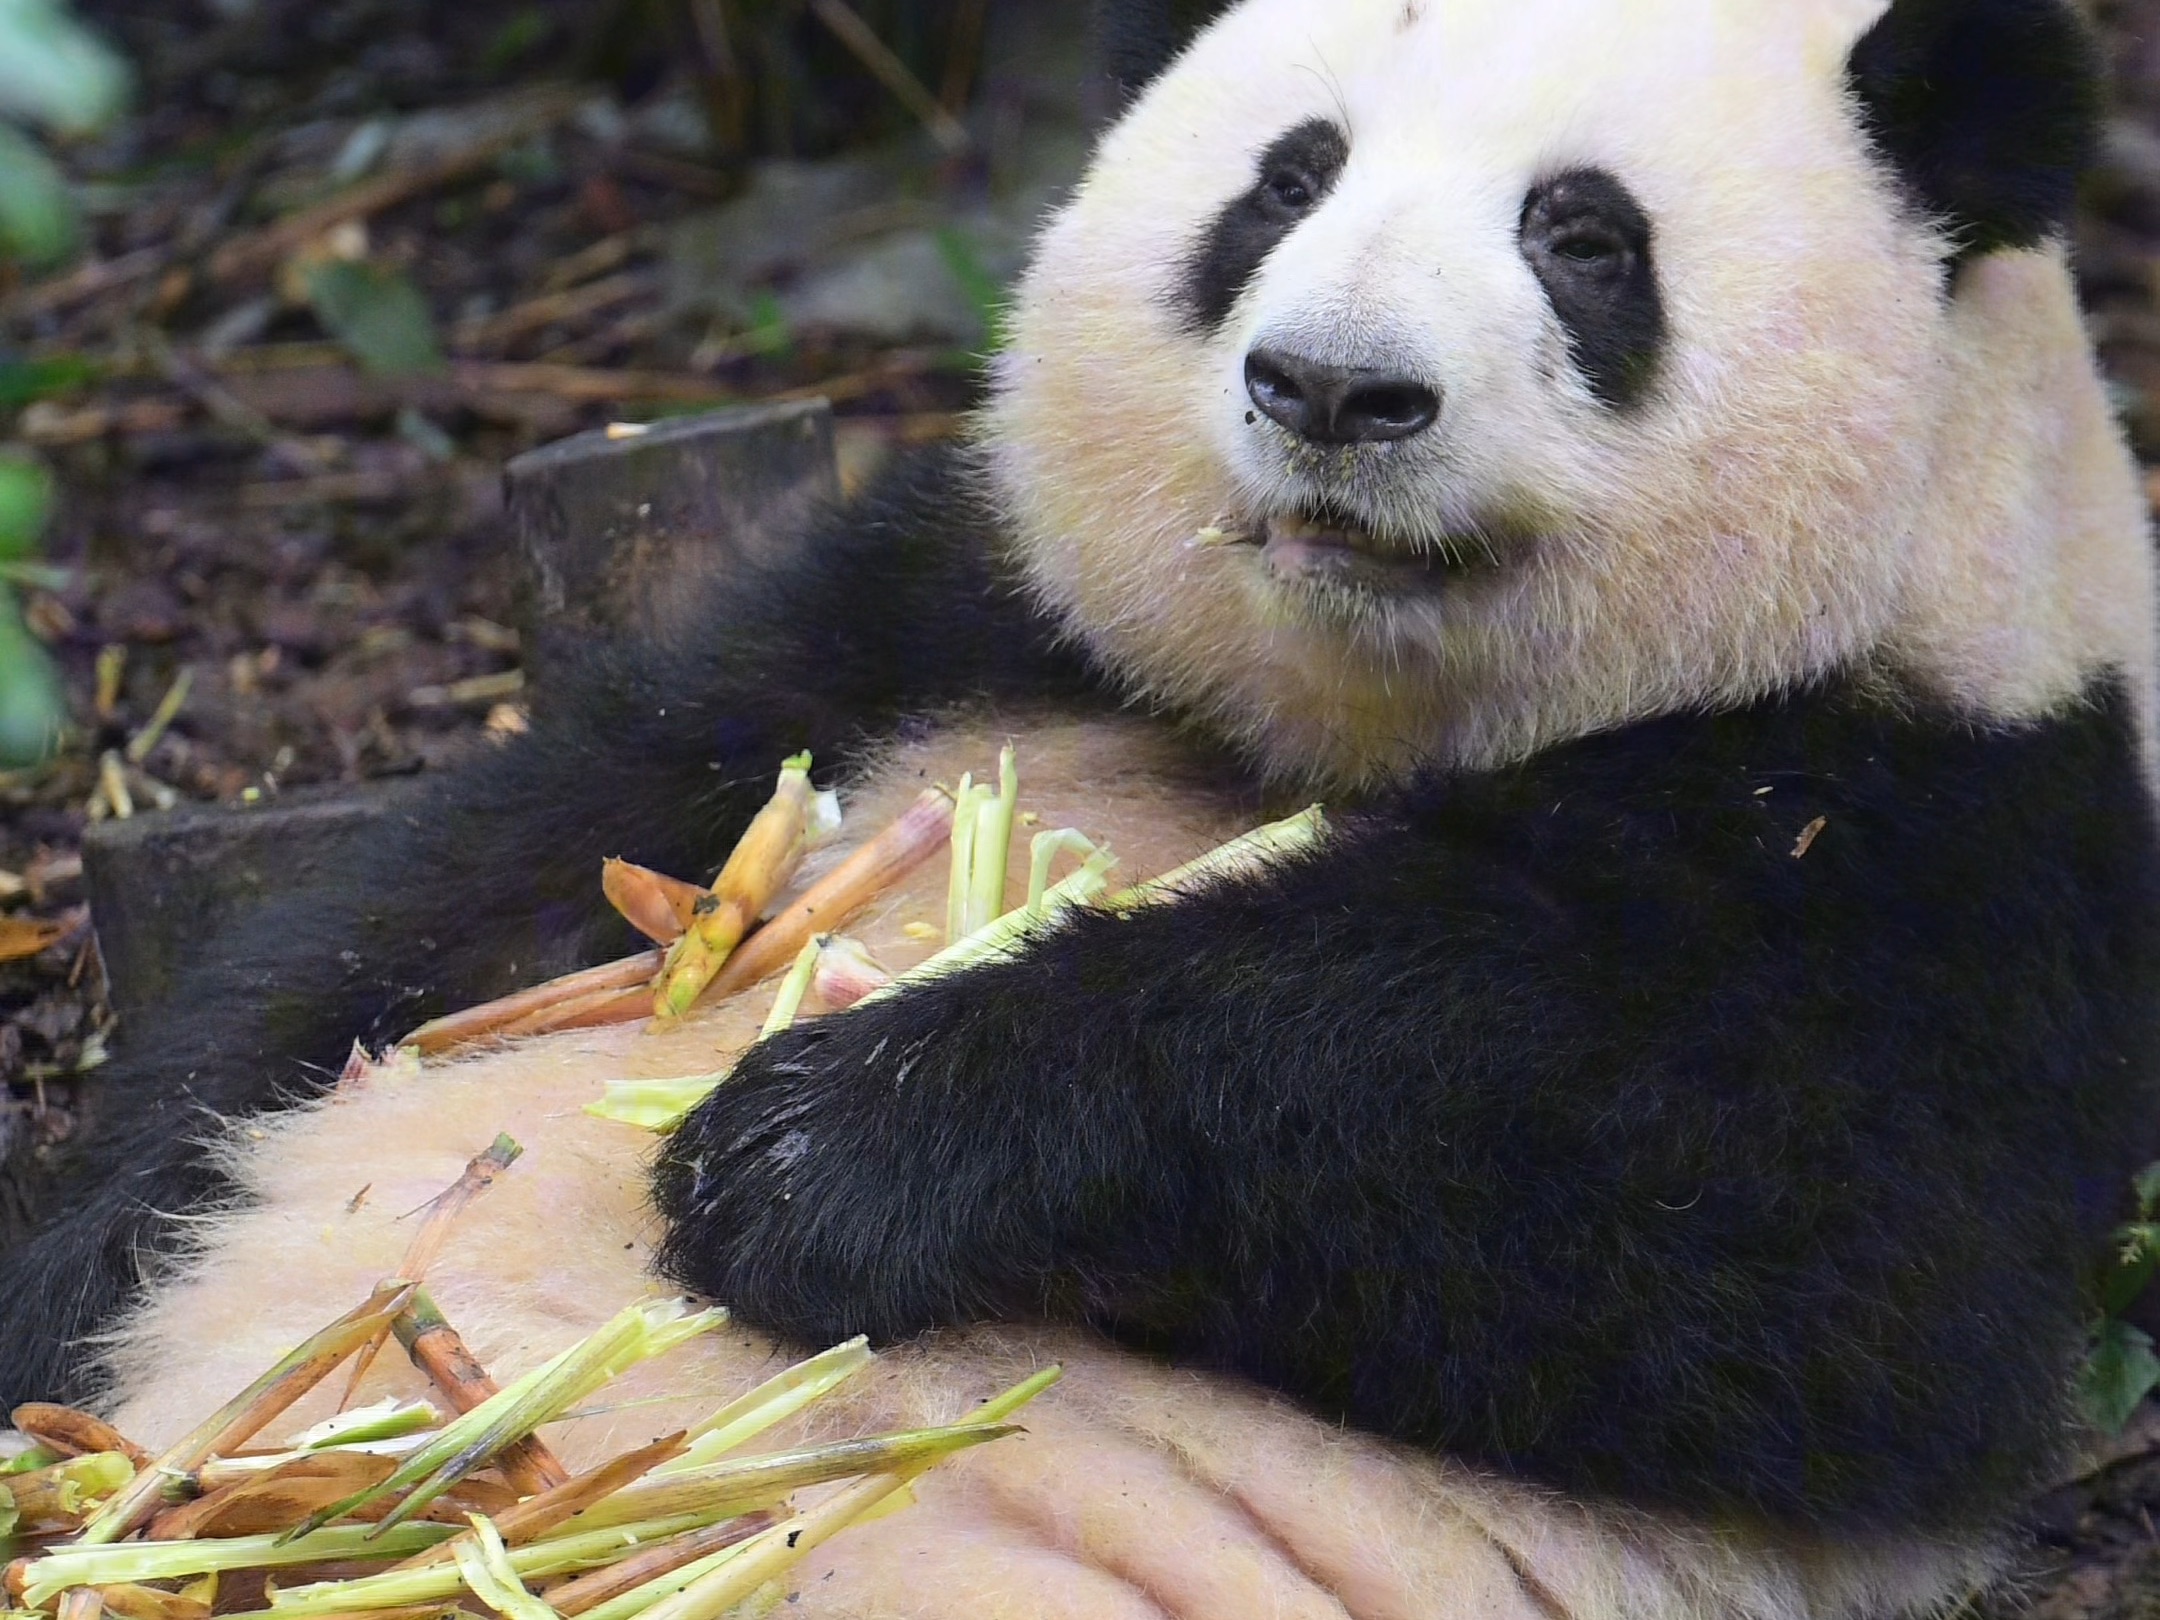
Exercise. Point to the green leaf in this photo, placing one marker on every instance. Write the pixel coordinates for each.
(25, 504)
(2120, 1373)
(32, 710)
(30, 1461)
(2137, 1256)
(25, 382)
(378, 315)
(54, 71)
(37, 216)
(768, 332)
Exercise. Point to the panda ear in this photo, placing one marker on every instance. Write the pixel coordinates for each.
(1141, 37)
(1988, 110)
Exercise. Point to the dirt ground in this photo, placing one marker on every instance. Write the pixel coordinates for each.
(312, 558)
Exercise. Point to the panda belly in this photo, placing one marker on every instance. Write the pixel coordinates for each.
(1137, 1491)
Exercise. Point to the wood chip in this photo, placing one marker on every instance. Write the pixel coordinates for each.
(1808, 834)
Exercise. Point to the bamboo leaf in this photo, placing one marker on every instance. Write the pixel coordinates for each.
(485, 1564)
(136, 1562)
(377, 314)
(634, 1335)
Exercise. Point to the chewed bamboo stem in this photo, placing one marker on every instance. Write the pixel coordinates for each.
(497, 1017)
(436, 1349)
(622, 992)
(477, 1177)
(874, 870)
(755, 873)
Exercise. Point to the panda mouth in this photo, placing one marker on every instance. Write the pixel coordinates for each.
(1322, 545)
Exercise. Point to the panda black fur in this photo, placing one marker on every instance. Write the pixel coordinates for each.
(1691, 1073)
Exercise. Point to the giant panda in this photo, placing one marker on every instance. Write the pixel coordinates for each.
(1641, 466)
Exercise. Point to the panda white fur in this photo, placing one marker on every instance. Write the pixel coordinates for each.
(1643, 464)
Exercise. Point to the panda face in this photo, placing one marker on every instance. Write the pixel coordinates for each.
(1429, 379)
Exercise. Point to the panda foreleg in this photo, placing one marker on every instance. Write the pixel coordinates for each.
(889, 607)
(1569, 1121)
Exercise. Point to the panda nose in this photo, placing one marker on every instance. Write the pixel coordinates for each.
(1338, 404)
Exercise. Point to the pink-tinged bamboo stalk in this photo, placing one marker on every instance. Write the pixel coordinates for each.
(495, 1018)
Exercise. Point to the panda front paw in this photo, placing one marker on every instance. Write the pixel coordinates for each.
(835, 1184)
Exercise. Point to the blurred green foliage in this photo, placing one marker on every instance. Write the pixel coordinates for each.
(31, 710)
(377, 314)
(56, 76)
(2122, 1368)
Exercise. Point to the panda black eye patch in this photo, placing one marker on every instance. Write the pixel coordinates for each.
(1291, 179)
(1587, 240)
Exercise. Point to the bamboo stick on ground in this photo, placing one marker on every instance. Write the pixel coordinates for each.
(529, 1464)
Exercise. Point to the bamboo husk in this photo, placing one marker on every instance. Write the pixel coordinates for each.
(73, 1433)
(277, 1500)
(537, 1515)
(656, 905)
(248, 1413)
(131, 1602)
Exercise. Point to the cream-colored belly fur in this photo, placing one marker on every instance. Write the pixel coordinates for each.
(1137, 1492)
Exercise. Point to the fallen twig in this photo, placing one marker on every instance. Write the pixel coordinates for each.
(847, 26)
(261, 249)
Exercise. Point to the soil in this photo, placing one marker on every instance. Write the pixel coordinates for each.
(321, 554)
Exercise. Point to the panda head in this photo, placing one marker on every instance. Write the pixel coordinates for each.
(1419, 380)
